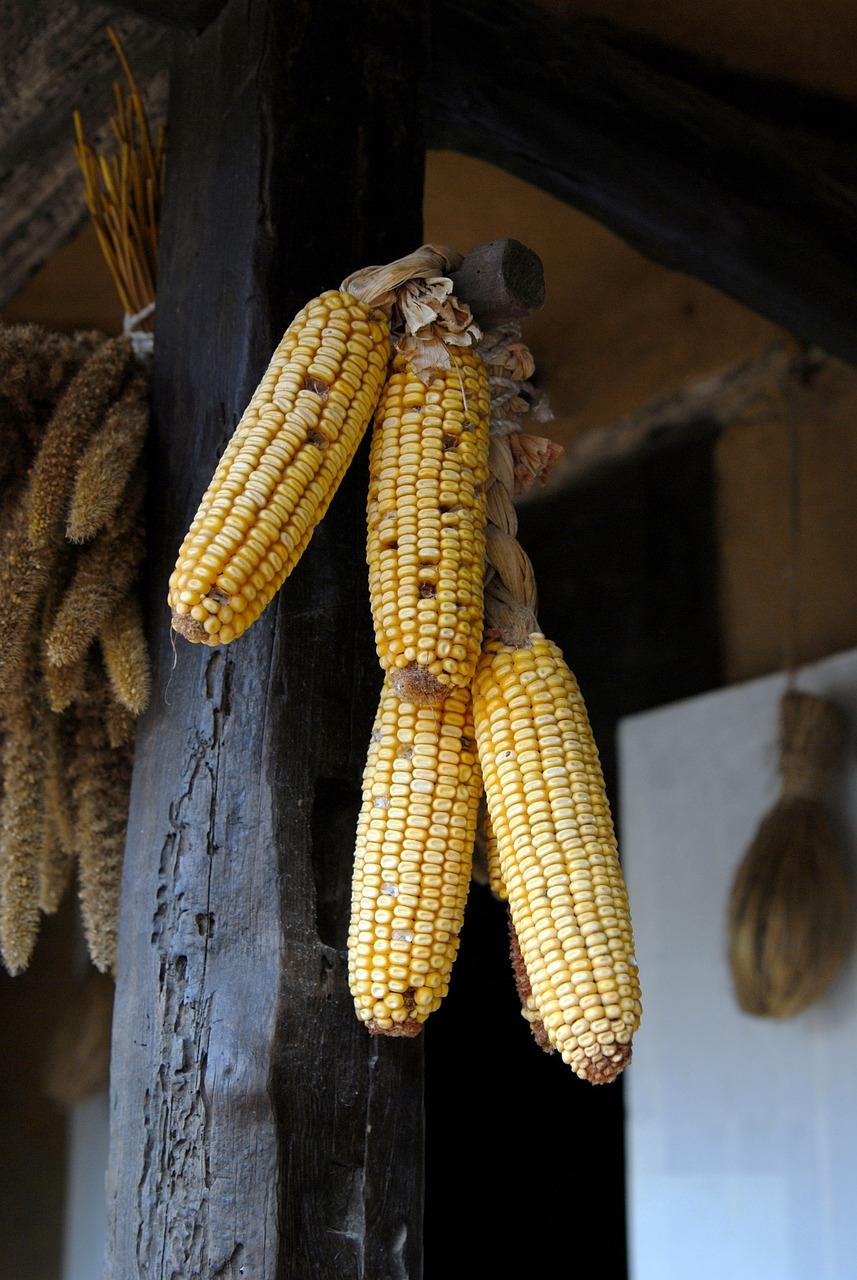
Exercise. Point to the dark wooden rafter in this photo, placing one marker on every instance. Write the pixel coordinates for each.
(746, 184)
(189, 15)
(256, 1128)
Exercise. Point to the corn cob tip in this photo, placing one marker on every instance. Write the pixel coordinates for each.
(416, 684)
(605, 1069)
(194, 629)
(188, 627)
(409, 1028)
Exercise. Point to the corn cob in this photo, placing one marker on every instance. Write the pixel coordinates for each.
(529, 1008)
(281, 468)
(492, 858)
(426, 526)
(415, 835)
(558, 854)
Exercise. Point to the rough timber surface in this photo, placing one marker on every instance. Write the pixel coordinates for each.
(256, 1129)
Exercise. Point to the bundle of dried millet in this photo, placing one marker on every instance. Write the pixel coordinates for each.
(73, 659)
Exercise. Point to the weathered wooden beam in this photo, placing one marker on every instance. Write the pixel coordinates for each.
(501, 280)
(749, 185)
(256, 1128)
(54, 58)
(738, 392)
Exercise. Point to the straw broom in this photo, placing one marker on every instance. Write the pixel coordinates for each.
(791, 914)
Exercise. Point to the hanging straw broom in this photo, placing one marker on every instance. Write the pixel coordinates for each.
(792, 908)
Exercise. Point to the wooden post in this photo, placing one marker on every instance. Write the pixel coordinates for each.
(256, 1129)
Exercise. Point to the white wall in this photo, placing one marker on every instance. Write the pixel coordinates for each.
(742, 1132)
(86, 1210)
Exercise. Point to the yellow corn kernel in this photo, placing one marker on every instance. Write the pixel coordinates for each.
(558, 855)
(415, 834)
(492, 858)
(529, 1008)
(281, 468)
(426, 525)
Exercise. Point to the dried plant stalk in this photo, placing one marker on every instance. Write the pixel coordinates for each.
(109, 459)
(102, 782)
(20, 835)
(64, 685)
(123, 644)
(35, 367)
(123, 192)
(102, 578)
(58, 802)
(791, 912)
(78, 415)
(24, 575)
(57, 401)
(119, 723)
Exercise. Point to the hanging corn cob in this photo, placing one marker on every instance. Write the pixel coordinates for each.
(289, 452)
(549, 839)
(281, 468)
(557, 853)
(415, 834)
(426, 526)
(421, 789)
(556, 858)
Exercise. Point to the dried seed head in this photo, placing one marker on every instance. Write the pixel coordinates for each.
(120, 724)
(123, 644)
(21, 835)
(64, 685)
(101, 785)
(106, 465)
(102, 578)
(24, 577)
(58, 801)
(78, 415)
